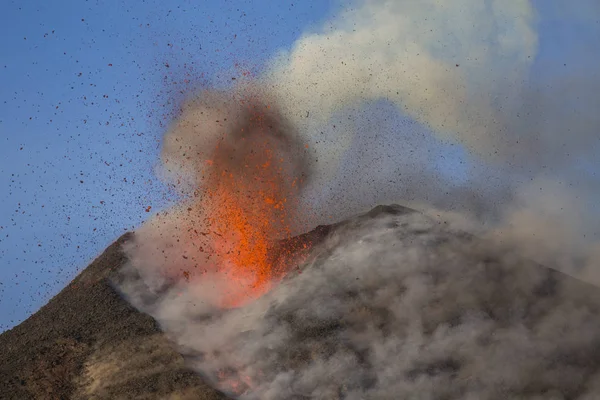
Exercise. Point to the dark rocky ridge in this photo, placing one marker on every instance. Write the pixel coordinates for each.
(88, 342)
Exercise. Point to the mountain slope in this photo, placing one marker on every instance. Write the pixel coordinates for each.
(88, 342)
(420, 308)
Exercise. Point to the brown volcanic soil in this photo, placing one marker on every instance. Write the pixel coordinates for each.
(88, 342)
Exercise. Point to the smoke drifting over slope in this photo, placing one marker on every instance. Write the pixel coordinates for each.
(398, 305)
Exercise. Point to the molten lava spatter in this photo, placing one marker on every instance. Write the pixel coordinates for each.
(250, 197)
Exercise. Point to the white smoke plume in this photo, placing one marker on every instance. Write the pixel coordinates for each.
(397, 305)
(450, 65)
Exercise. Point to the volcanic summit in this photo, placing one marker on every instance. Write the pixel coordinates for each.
(388, 304)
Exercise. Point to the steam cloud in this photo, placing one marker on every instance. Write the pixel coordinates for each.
(442, 64)
(401, 305)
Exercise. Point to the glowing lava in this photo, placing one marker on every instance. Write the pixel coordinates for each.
(250, 200)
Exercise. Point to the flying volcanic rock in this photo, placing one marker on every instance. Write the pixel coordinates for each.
(390, 304)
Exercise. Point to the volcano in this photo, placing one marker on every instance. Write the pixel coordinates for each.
(462, 319)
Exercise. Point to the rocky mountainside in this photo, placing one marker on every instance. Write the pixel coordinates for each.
(88, 342)
(390, 304)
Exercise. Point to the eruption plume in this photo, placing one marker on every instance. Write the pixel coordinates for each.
(392, 304)
(241, 168)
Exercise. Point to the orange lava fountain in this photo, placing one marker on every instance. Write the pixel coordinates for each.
(250, 201)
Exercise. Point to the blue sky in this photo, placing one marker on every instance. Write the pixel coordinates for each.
(87, 88)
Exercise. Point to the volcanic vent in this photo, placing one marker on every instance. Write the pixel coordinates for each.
(240, 167)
